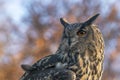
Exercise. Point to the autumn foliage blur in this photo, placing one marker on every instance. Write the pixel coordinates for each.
(39, 31)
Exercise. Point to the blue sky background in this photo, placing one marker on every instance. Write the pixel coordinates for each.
(16, 9)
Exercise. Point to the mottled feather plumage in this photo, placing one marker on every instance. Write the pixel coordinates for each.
(79, 56)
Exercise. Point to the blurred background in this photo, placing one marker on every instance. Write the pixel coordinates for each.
(30, 30)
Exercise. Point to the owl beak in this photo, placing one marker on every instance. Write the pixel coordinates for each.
(91, 20)
(64, 22)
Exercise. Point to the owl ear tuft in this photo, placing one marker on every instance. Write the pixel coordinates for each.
(91, 19)
(64, 22)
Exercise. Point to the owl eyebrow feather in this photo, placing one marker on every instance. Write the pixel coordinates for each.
(83, 26)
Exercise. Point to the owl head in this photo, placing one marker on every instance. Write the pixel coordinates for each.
(81, 33)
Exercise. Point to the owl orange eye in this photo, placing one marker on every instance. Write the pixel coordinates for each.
(81, 33)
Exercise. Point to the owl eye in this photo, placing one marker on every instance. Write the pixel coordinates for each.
(81, 33)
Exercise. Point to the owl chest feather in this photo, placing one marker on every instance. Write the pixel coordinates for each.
(84, 67)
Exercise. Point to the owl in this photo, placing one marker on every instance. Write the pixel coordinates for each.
(79, 56)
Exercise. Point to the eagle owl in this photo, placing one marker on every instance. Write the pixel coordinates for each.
(79, 56)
